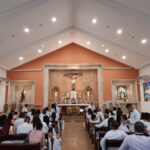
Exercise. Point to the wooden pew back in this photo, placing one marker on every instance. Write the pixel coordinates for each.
(113, 143)
(20, 146)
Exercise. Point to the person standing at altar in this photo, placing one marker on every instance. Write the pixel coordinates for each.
(133, 117)
(73, 96)
(91, 106)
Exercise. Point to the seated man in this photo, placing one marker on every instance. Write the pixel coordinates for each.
(105, 121)
(113, 134)
(25, 127)
(20, 120)
(136, 141)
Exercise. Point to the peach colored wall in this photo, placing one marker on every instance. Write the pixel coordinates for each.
(72, 54)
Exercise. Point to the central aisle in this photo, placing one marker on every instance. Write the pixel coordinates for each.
(75, 137)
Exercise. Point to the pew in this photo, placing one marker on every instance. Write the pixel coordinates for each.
(113, 143)
(99, 134)
(18, 137)
(13, 137)
(20, 146)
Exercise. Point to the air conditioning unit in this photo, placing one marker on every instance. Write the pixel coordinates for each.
(143, 79)
(4, 80)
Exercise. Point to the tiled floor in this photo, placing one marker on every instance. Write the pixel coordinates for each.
(75, 137)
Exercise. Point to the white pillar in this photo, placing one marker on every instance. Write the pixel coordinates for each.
(2, 89)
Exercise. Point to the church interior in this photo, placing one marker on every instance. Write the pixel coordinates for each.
(74, 64)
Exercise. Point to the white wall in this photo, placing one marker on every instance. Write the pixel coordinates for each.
(145, 106)
(2, 90)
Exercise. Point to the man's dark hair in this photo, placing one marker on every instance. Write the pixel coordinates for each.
(93, 116)
(22, 115)
(128, 105)
(107, 111)
(114, 124)
(27, 117)
(95, 111)
(90, 111)
(124, 116)
(139, 127)
(38, 111)
(114, 108)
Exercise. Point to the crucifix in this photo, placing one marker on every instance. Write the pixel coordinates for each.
(73, 75)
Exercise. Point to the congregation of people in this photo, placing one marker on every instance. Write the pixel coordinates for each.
(36, 125)
(132, 128)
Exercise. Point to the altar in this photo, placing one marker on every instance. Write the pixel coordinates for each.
(73, 108)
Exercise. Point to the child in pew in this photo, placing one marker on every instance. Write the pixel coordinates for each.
(124, 124)
(57, 141)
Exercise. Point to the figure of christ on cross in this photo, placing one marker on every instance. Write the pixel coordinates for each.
(73, 94)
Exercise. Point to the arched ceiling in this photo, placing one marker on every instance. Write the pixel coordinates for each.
(74, 24)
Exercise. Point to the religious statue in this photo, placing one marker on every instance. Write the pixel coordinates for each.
(73, 95)
(22, 96)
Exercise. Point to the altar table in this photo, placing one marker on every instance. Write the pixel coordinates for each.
(64, 107)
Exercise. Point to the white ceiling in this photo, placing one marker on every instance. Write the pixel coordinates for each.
(74, 24)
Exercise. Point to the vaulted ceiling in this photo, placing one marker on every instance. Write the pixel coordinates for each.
(74, 24)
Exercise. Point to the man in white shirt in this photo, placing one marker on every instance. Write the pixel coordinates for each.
(113, 134)
(25, 108)
(25, 127)
(136, 141)
(20, 120)
(133, 117)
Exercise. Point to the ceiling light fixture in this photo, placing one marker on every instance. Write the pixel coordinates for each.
(26, 30)
(21, 58)
(54, 19)
(102, 45)
(88, 42)
(119, 31)
(43, 46)
(59, 42)
(39, 51)
(144, 41)
(123, 57)
(94, 20)
(106, 50)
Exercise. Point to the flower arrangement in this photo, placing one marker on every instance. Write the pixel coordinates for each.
(88, 89)
(55, 89)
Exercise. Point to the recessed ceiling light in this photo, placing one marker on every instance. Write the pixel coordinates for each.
(123, 57)
(144, 41)
(88, 42)
(106, 50)
(21, 58)
(102, 45)
(39, 51)
(43, 46)
(94, 20)
(54, 19)
(59, 42)
(26, 30)
(119, 31)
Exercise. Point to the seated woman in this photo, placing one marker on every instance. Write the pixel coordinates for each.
(37, 135)
(36, 120)
(124, 125)
(113, 134)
